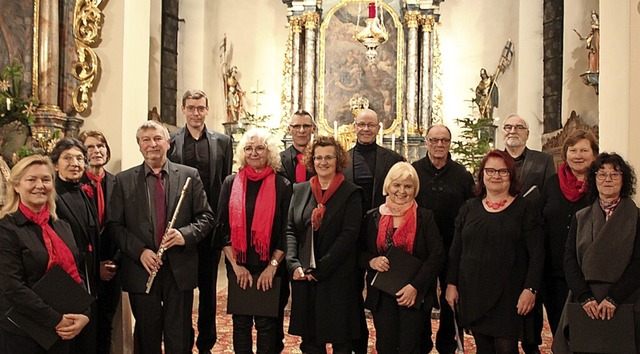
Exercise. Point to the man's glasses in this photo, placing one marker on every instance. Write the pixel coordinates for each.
(615, 175)
(503, 172)
(192, 109)
(435, 141)
(258, 149)
(366, 125)
(509, 127)
(301, 126)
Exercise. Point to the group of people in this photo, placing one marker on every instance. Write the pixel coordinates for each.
(319, 223)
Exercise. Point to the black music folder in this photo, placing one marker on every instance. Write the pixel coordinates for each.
(251, 301)
(58, 290)
(616, 335)
(402, 268)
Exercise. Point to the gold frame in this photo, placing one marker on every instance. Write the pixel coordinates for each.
(87, 18)
(322, 121)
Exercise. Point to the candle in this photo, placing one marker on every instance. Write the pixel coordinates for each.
(372, 10)
(8, 104)
(335, 130)
(393, 141)
(381, 133)
(406, 128)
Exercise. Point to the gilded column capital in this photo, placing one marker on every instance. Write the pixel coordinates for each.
(296, 24)
(412, 18)
(311, 20)
(427, 22)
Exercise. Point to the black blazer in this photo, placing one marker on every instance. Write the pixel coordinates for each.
(108, 248)
(131, 225)
(220, 160)
(23, 261)
(537, 167)
(385, 158)
(288, 170)
(426, 247)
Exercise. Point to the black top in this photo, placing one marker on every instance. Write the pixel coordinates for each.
(443, 191)
(364, 166)
(196, 155)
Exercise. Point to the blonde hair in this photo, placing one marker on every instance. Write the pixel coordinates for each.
(17, 172)
(399, 171)
(264, 137)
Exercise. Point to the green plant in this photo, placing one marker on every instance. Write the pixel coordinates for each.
(14, 106)
(476, 139)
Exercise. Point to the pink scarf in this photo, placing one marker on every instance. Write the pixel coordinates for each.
(405, 235)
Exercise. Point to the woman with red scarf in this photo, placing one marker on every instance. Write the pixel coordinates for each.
(322, 232)
(252, 218)
(401, 319)
(32, 241)
(562, 196)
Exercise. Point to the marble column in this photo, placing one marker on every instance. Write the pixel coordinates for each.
(311, 20)
(426, 88)
(296, 29)
(411, 18)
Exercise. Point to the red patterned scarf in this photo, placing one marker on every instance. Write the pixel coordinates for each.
(59, 252)
(571, 187)
(318, 212)
(263, 217)
(609, 207)
(405, 235)
(97, 182)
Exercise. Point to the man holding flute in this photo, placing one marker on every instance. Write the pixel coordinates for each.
(145, 199)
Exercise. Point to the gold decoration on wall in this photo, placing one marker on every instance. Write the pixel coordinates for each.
(436, 111)
(287, 73)
(412, 18)
(86, 29)
(311, 20)
(296, 24)
(427, 22)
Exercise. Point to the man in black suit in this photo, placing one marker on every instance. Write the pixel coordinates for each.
(368, 166)
(211, 153)
(533, 168)
(144, 200)
(444, 186)
(301, 128)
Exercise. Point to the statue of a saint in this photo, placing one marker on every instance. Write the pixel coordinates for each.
(233, 94)
(486, 94)
(593, 43)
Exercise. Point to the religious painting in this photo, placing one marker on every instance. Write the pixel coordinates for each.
(16, 29)
(345, 73)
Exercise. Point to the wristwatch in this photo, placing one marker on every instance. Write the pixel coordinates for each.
(534, 291)
(274, 262)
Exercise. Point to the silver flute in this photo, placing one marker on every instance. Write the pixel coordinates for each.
(152, 276)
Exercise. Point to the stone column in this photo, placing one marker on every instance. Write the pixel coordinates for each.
(296, 29)
(411, 18)
(426, 88)
(311, 20)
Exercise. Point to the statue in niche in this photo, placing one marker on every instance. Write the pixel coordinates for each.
(593, 43)
(486, 94)
(233, 95)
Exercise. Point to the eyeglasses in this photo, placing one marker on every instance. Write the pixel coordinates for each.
(301, 126)
(509, 127)
(615, 175)
(366, 125)
(503, 172)
(192, 109)
(435, 141)
(73, 158)
(327, 158)
(258, 149)
(95, 147)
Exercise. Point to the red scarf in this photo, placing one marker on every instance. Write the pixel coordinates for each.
(318, 212)
(97, 182)
(405, 234)
(58, 251)
(265, 209)
(571, 187)
(609, 207)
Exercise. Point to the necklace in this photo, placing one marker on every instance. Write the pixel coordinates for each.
(496, 205)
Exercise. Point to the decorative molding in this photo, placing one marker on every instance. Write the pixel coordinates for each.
(311, 20)
(86, 30)
(427, 22)
(437, 102)
(412, 18)
(556, 139)
(296, 24)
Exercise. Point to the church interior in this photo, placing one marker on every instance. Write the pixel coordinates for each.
(110, 65)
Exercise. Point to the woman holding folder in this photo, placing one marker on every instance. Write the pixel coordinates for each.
(401, 318)
(324, 223)
(32, 241)
(602, 255)
(252, 217)
(496, 259)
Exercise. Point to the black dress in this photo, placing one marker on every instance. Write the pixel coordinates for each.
(494, 257)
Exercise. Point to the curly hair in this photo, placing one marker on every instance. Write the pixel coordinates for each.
(264, 137)
(342, 159)
(514, 187)
(619, 164)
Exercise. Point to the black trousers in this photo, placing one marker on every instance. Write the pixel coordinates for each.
(285, 291)
(108, 300)
(313, 347)
(208, 260)
(554, 296)
(165, 313)
(446, 335)
(398, 328)
(242, 340)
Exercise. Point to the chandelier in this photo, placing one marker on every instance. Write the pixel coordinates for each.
(374, 34)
